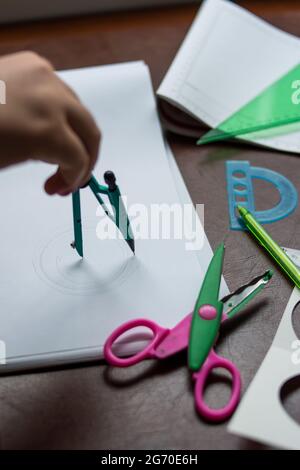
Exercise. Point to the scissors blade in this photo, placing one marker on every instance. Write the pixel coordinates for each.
(234, 302)
(178, 337)
(207, 313)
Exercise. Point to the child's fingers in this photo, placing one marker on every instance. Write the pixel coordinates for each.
(68, 152)
(56, 184)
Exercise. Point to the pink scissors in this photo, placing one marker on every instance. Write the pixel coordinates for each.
(167, 342)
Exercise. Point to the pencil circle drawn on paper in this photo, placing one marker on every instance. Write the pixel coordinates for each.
(106, 263)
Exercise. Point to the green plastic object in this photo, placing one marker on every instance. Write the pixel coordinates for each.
(204, 331)
(119, 217)
(273, 112)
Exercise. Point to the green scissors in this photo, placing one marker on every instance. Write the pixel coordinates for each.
(199, 337)
(120, 217)
(208, 314)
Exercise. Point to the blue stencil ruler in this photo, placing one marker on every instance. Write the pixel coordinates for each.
(239, 176)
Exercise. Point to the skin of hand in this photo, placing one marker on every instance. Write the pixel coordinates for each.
(44, 120)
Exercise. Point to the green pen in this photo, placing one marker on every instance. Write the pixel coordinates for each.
(270, 245)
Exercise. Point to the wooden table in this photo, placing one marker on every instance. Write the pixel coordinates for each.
(151, 405)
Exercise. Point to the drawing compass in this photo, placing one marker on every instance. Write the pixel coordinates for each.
(119, 215)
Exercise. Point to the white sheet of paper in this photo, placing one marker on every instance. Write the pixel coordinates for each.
(56, 308)
(261, 415)
(227, 58)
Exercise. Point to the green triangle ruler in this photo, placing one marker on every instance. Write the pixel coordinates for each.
(276, 110)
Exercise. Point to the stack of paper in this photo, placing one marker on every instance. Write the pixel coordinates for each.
(57, 308)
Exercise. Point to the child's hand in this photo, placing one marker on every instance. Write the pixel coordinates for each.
(44, 120)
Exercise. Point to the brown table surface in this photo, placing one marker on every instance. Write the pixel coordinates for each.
(151, 405)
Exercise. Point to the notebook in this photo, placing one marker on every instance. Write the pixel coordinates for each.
(228, 57)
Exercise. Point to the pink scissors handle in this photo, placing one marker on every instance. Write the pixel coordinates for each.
(148, 352)
(214, 361)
